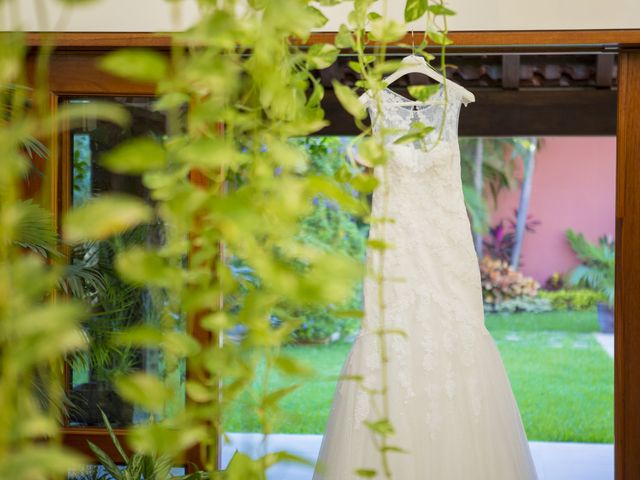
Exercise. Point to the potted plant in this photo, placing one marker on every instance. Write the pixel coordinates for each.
(597, 271)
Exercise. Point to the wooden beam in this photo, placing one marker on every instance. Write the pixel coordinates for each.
(627, 275)
(515, 113)
(510, 71)
(524, 40)
(605, 63)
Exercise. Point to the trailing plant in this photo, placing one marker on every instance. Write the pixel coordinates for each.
(249, 76)
(37, 329)
(249, 86)
(578, 299)
(501, 283)
(597, 270)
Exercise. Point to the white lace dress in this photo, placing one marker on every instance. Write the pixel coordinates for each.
(451, 403)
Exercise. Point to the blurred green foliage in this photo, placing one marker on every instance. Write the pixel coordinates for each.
(332, 229)
(248, 82)
(578, 299)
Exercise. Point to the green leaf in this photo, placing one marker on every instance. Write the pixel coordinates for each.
(321, 55)
(414, 9)
(209, 153)
(439, 38)
(349, 100)
(438, 9)
(344, 37)
(136, 64)
(366, 473)
(394, 448)
(114, 439)
(372, 152)
(355, 66)
(104, 216)
(383, 426)
(155, 438)
(40, 461)
(141, 267)
(317, 94)
(171, 100)
(320, 19)
(33, 229)
(292, 366)
(378, 244)
(364, 183)
(105, 460)
(422, 93)
(73, 114)
(200, 393)
(417, 133)
(144, 389)
(386, 31)
(272, 399)
(135, 156)
(349, 313)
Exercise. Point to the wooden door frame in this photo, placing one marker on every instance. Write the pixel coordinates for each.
(627, 273)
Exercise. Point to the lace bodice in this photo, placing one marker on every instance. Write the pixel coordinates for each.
(397, 117)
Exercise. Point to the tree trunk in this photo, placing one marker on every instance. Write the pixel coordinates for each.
(523, 207)
(478, 185)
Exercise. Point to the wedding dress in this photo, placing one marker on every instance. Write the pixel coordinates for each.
(451, 404)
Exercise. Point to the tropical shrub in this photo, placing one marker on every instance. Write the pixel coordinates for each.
(556, 281)
(501, 283)
(579, 299)
(501, 239)
(520, 304)
(597, 270)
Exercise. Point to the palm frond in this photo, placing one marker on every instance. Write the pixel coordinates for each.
(34, 229)
(477, 209)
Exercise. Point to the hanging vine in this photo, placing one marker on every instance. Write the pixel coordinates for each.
(236, 87)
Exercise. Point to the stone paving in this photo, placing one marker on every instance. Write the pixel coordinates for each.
(554, 461)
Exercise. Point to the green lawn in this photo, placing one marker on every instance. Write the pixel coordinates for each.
(561, 377)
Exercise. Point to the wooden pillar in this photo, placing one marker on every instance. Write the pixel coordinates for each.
(627, 299)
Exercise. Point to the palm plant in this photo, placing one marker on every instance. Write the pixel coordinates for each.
(488, 167)
(134, 467)
(115, 307)
(597, 270)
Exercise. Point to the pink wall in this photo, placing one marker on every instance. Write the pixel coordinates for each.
(573, 187)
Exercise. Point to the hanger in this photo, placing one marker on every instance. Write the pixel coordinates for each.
(417, 64)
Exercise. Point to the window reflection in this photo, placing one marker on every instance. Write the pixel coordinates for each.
(115, 306)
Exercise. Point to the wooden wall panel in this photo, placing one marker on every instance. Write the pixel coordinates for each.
(627, 301)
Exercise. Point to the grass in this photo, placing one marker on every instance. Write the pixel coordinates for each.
(561, 377)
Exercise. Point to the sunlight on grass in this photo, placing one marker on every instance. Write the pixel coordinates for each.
(561, 377)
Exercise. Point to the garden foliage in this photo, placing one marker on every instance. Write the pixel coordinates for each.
(236, 88)
(500, 282)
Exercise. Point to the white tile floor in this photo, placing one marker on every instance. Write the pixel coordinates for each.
(606, 341)
(554, 461)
